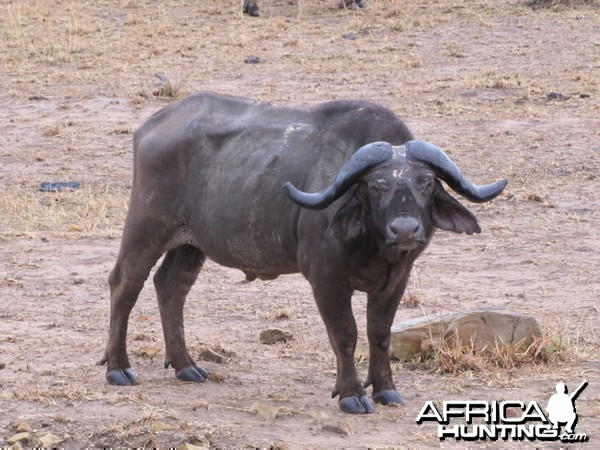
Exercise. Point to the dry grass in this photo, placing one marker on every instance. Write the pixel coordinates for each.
(561, 3)
(549, 349)
(171, 89)
(149, 429)
(94, 209)
(279, 314)
(411, 300)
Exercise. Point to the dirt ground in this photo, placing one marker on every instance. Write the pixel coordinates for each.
(508, 90)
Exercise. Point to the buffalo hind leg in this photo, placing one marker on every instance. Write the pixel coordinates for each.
(173, 281)
(335, 306)
(380, 316)
(126, 281)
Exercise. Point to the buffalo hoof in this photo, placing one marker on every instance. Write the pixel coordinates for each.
(123, 377)
(354, 405)
(389, 397)
(192, 373)
(252, 11)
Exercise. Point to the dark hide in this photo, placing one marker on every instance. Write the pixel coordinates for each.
(208, 177)
(251, 8)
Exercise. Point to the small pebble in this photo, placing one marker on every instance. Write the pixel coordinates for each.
(212, 356)
(253, 60)
(273, 335)
(558, 96)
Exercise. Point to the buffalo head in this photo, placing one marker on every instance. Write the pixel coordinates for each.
(397, 196)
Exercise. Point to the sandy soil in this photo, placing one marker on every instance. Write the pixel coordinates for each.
(507, 90)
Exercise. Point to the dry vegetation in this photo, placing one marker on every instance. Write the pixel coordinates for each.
(549, 349)
(509, 88)
(556, 4)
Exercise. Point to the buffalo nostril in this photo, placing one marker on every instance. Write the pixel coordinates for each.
(394, 229)
(402, 228)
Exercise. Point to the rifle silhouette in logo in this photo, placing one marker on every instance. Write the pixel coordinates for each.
(561, 406)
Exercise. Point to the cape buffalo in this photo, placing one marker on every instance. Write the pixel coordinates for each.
(340, 192)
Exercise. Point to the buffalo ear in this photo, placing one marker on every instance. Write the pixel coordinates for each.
(449, 215)
(349, 221)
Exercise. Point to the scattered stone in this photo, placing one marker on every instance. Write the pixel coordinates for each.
(192, 447)
(254, 60)
(19, 437)
(57, 186)
(147, 351)
(161, 79)
(23, 427)
(334, 426)
(318, 414)
(218, 377)
(350, 36)
(2, 365)
(274, 335)
(49, 440)
(479, 328)
(159, 425)
(558, 96)
(212, 356)
(264, 411)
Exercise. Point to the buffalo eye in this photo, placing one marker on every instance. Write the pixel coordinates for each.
(379, 186)
(425, 182)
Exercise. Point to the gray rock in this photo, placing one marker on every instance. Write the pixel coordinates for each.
(254, 60)
(273, 335)
(212, 356)
(339, 427)
(478, 328)
(264, 411)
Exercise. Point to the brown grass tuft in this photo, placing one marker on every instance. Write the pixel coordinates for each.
(411, 300)
(51, 130)
(279, 314)
(172, 89)
(550, 348)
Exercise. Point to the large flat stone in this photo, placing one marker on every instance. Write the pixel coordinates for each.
(478, 328)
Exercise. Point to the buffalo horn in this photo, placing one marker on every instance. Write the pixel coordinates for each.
(362, 160)
(445, 169)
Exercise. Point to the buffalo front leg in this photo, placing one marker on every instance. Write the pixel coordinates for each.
(173, 281)
(380, 316)
(335, 305)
